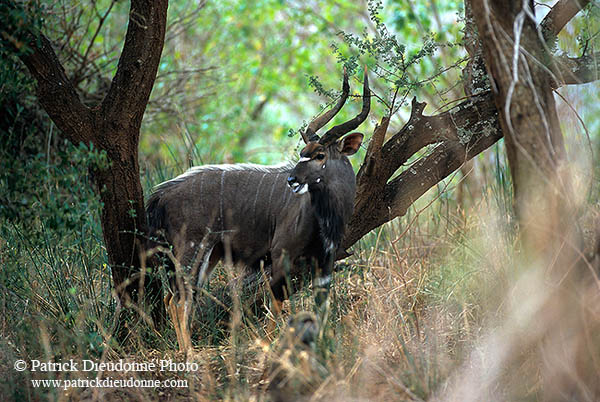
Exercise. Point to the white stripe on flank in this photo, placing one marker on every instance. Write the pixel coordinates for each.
(204, 268)
(273, 188)
(288, 196)
(256, 197)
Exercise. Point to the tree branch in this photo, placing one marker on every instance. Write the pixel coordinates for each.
(446, 158)
(130, 90)
(575, 70)
(382, 161)
(463, 132)
(56, 93)
(559, 16)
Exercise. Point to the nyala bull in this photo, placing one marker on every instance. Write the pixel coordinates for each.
(289, 215)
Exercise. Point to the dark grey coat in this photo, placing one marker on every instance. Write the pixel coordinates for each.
(249, 213)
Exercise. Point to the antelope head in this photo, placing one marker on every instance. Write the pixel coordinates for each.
(323, 157)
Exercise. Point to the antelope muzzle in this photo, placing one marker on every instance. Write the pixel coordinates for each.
(296, 186)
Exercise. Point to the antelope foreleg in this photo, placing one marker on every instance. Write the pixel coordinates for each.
(322, 281)
(276, 307)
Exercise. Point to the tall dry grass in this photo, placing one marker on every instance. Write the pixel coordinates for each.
(437, 305)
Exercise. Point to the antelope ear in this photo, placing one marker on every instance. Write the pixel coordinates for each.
(350, 143)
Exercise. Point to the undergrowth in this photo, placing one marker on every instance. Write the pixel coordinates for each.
(405, 310)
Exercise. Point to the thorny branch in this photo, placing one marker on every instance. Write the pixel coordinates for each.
(460, 134)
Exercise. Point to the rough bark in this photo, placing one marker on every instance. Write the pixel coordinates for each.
(574, 70)
(550, 263)
(472, 126)
(515, 57)
(114, 128)
(460, 133)
(560, 14)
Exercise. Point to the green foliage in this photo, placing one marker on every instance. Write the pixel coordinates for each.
(54, 269)
(21, 21)
(250, 85)
(235, 77)
(36, 190)
(398, 63)
(52, 248)
(21, 118)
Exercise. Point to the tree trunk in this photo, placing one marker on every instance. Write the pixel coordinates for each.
(522, 89)
(550, 308)
(471, 127)
(113, 127)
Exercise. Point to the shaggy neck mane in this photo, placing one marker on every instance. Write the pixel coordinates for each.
(329, 210)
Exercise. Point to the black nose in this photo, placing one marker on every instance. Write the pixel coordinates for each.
(291, 180)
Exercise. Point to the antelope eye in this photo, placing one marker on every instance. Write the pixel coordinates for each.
(320, 157)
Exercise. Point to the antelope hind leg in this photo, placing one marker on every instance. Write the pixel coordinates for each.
(180, 306)
(179, 313)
